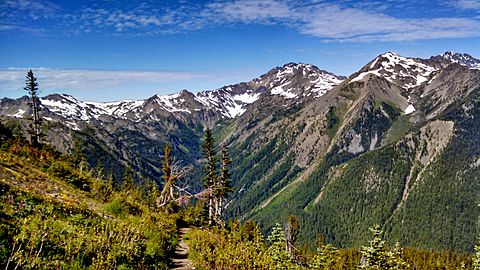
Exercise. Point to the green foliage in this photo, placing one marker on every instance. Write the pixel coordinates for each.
(327, 257)
(35, 128)
(212, 249)
(243, 247)
(225, 185)
(333, 121)
(376, 257)
(63, 170)
(476, 258)
(49, 241)
(277, 249)
(238, 247)
(5, 135)
(116, 208)
(217, 187)
(209, 154)
(46, 222)
(398, 130)
(128, 184)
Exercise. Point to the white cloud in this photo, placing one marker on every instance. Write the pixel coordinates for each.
(18, 9)
(78, 79)
(333, 22)
(359, 21)
(467, 4)
(249, 11)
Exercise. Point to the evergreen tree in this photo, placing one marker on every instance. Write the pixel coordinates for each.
(395, 260)
(326, 258)
(110, 185)
(223, 187)
(277, 248)
(376, 256)
(211, 178)
(35, 126)
(373, 256)
(99, 172)
(128, 185)
(5, 134)
(153, 194)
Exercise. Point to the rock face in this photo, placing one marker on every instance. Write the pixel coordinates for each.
(393, 140)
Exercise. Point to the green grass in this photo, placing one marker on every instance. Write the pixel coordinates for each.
(400, 127)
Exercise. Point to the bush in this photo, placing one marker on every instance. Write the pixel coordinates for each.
(63, 171)
(214, 249)
(116, 208)
(46, 240)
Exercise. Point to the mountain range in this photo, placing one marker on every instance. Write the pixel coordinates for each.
(395, 143)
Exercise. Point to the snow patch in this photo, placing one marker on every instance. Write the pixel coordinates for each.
(279, 91)
(247, 98)
(410, 109)
(171, 104)
(18, 114)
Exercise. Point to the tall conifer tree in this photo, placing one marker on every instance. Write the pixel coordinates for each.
(222, 188)
(211, 178)
(31, 86)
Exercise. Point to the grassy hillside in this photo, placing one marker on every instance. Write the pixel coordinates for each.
(55, 213)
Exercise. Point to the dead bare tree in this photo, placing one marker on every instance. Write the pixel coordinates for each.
(172, 171)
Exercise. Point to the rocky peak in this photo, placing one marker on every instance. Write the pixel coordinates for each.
(462, 59)
(297, 80)
(405, 72)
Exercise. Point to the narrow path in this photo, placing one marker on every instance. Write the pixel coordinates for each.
(180, 260)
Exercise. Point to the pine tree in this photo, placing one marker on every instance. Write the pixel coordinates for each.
(395, 261)
(211, 178)
(277, 248)
(128, 184)
(35, 126)
(223, 187)
(110, 185)
(326, 258)
(376, 256)
(153, 194)
(99, 171)
(5, 134)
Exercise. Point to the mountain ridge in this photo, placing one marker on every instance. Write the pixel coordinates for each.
(230, 101)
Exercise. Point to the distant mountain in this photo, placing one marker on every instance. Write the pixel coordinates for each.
(462, 59)
(395, 143)
(391, 144)
(133, 132)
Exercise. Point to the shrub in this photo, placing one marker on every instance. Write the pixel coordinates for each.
(116, 208)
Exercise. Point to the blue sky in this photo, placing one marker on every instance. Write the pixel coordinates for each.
(111, 50)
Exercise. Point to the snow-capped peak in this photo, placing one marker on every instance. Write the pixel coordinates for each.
(172, 102)
(292, 80)
(295, 80)
(462, 59)
(403, 71)
(70, 107)
(228, 101)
